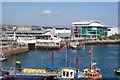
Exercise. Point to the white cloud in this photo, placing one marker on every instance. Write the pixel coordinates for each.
(49, 12)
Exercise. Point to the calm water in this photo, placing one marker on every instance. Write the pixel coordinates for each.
(106, 57)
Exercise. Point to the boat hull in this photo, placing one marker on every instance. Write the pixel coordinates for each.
(3, 59)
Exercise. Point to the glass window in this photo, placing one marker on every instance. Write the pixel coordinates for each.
(67, 74)
(84, 31)
(63, 73)
(71, 74)
(91, 75)
(109, 29)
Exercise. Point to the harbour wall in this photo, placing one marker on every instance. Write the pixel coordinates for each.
(79, 43)
(21, 48)
(102, 42)
(14, 49)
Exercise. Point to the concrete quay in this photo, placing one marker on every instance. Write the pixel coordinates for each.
(14, 49)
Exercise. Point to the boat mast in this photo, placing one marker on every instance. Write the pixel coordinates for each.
(52, 58)
(66, 57)
(91, 60)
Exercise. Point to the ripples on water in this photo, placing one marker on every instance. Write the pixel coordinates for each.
(106, 57)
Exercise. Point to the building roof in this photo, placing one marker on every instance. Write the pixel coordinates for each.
(64, 35)
(89, 23)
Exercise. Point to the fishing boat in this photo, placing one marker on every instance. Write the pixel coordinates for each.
(93, 72)
(68, 72)
(2, 57)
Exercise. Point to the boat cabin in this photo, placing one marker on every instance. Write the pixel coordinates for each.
(68, 73)
(94, 73)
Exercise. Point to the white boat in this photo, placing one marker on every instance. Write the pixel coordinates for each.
(0, 77)
(2, 57)
(74, 47)
(70, 73)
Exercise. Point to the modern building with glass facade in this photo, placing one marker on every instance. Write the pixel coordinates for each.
(89, 29)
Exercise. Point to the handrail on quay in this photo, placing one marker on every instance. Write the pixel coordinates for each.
(29, 71)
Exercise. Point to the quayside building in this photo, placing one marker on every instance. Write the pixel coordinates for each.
(89, 29)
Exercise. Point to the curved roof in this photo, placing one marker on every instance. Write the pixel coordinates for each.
(89, 23)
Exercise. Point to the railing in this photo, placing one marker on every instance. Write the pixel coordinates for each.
(29, 71)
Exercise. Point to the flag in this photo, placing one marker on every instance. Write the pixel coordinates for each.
(90, 51)
(94, 64)
(64, 47)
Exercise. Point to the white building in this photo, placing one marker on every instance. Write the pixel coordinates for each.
(112, 31)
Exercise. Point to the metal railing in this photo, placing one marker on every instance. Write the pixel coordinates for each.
(29, 71)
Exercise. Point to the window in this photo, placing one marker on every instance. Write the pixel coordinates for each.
(109, 29)
(71, 74)
(67, 74)
(63, 73)
(91, 75)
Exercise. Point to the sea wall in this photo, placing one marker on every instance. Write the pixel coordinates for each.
(100, 42)
(92, 42)
(15, 49)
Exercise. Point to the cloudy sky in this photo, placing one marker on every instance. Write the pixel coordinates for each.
(58, 13)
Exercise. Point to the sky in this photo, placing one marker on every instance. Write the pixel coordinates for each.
(58, 13)
(60, 0)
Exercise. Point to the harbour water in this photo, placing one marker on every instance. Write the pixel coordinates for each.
(106, 57)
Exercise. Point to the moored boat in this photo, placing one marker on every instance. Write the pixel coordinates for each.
(2, 57)
(70, 73)
(117, 71)
(74, 47)
(93, 72)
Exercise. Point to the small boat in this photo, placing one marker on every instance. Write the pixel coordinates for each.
(93, 72)
(2, 57)
(0, 77)
(70, 73)
(74, 47)
(117, 71)
(79, 46)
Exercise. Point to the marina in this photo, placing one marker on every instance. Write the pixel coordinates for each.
(79, 61)
(47, 41)
(37, 59)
